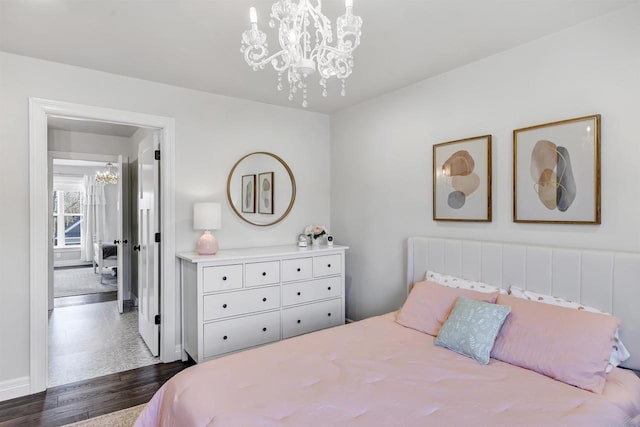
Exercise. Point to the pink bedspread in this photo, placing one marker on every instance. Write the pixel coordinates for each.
(378, 373)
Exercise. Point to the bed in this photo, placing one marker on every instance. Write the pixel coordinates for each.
(378, 372)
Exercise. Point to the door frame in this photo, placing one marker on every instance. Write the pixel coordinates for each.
(39, 111)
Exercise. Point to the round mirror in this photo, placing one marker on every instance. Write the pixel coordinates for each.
(261, 188)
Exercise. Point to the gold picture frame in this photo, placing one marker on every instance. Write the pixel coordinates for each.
(556, 172)
(462, 180)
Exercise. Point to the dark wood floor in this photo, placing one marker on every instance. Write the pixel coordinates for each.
(82, 400)
(85, 299)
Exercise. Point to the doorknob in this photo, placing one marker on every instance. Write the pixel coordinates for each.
(136, 248)
(115, 242)
(125, 241)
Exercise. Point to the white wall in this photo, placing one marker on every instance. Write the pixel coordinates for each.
(212, 132)
(381, 150)
(67, 257)
(82, 142)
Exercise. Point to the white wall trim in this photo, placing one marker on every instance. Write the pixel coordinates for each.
(14, 388)
(69, 155)
(71, 263)
(178, 352)
(66, 249)
(39, 111)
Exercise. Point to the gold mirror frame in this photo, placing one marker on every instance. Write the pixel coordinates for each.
(293, 189)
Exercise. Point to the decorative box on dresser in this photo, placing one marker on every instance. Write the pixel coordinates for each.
(242, 298)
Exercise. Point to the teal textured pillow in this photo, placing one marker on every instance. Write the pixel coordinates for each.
(472, 328)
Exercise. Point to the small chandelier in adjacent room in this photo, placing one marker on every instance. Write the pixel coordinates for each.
(109, 176)
(305, 38)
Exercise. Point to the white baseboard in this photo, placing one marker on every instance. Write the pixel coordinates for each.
(178, 352)
(71, 263)
(16, 387)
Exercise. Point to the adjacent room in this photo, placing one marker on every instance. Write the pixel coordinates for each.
(93, 306)
(311, 213)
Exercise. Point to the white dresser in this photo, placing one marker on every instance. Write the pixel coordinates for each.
(241, 298)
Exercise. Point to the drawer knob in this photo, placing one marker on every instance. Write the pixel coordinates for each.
(299, 320)
(329, 288)
(264, 300)
(299, 294)
(224, 305)
(264, 273)
(264, 329)
(329, 265)
(224, 337)
(299, 269)
(329, 314)
(224, 277)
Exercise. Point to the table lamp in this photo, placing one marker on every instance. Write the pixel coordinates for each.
(207, 216)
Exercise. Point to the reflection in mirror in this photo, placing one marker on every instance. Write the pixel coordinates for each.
(261, 188)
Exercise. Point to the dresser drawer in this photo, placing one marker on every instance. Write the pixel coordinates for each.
(235, 334)
(297, 269)
(262, 273)
(217, 306)
(222, 278)
(327, 265)
(311, 317)
(302, 292)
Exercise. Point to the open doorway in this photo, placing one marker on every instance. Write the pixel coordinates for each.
(93, 327)
(168, 331)
(84, 225)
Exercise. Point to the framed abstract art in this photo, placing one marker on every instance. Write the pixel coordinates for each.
(556, 172)
(265, 193)
(249, 194)
(462, 180)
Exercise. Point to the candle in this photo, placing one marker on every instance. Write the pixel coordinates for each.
(348, 4)
(253, 16)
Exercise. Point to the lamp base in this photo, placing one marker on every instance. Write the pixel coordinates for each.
(207, 244)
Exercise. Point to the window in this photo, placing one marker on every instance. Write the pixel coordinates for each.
(67, 218)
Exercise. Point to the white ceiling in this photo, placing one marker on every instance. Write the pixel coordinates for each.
(89, 126)
(196, 43)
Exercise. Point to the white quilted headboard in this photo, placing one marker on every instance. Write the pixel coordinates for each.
(609, 281)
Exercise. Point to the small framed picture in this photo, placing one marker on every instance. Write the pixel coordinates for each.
(249, 194)
(556, 172)
(265, 193)
(462, 180)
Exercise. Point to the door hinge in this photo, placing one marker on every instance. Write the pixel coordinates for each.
(157, 154)
(157, 319)
(157, 237)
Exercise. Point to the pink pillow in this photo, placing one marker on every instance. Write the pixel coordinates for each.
(429, 305)
(568, 345)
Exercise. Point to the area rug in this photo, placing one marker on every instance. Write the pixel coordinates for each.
(81, 281)
(123, 418)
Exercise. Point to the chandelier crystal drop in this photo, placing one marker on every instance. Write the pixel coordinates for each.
(108, 176)
(305, 37)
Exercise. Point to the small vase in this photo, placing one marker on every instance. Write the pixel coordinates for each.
(315, 242)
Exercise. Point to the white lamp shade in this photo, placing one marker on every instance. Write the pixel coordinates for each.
(207, 216)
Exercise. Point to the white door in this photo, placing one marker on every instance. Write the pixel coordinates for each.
(149, 250)
(120, 241)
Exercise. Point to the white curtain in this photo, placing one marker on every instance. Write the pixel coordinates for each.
(93, 210)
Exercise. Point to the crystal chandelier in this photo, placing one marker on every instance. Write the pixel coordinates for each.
(108, 176)
(305, 39)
